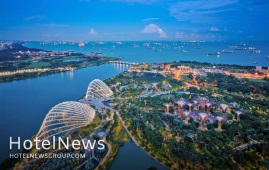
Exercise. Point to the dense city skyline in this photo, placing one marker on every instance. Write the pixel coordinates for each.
(134, 20)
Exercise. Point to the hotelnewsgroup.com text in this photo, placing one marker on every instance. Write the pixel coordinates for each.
(47, 155)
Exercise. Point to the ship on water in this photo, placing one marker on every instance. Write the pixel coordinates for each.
(241, 48)
(232, 46)
(218, 53)
(241, 44)
(146, 44)
(81, 44)
(251, 48)
(135, 45)
(227, 51)
(185, 51)
(256, 51)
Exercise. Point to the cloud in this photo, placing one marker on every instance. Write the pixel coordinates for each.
(150, 19)
(92, 32)
(36, 17)
(152, 28)
(200, 11)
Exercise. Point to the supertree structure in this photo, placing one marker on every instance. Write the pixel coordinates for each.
(220, 119)
(203, 118)
(186, 115)
(167, 106)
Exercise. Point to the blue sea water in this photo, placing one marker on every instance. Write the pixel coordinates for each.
(168, 51)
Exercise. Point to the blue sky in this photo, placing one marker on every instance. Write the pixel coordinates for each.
(106, 20)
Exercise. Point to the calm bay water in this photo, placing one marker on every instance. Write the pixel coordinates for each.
(24, 103)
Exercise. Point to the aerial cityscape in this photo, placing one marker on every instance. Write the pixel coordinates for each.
(134, 84)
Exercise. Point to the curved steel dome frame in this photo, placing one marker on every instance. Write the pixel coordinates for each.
(65, 118)
(98, 89)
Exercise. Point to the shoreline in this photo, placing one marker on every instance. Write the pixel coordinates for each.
(25, 76)
(37, 74)
(19, 62)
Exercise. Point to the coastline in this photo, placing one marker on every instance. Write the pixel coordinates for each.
(20, 62)
(24, 76)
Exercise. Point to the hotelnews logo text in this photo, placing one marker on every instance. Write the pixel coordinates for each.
(46, 144)
(54, 144)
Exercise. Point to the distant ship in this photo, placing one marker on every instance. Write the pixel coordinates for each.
(232, 46)
(185, 51)
(81, 44)
(241, 45)
(227, 51)
(146, 44)
(251, 48)
(240, 48)
(136, 46)
(256, 51)
(100, 42)
(218, 53)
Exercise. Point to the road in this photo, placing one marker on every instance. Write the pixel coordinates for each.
(106, 157)
(129, 133)
(168, 128)
(191, 85)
